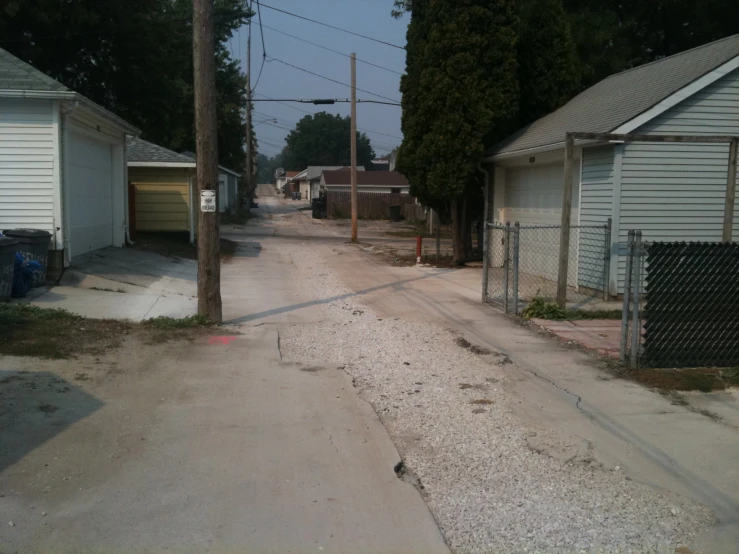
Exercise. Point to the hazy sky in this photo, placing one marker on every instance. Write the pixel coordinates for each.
(281, 41)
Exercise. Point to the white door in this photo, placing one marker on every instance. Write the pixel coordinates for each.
(89, 185)
(533, 196)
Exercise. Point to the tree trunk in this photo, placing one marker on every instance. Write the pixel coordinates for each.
(457, 213)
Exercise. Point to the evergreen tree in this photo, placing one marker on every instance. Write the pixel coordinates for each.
(548, 68)
(460, 95)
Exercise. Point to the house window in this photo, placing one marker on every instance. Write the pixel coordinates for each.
(395, 190)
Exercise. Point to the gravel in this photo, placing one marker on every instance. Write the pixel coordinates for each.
(481, 467)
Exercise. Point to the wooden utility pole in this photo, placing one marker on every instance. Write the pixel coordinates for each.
(564, 237)
(209, 247)
(354, 148)
(730, 191)
(249, 169)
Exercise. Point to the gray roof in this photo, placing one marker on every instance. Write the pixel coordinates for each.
(193, 156)
(314, 171)
(16, 74)
(621, 97)
(140, 150)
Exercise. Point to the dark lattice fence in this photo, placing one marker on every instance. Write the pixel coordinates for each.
(691, 316)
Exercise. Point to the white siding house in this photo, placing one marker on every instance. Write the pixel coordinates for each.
(669, 191)
(62, 163)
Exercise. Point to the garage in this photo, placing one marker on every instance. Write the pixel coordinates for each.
(90, 190)
(533, 197)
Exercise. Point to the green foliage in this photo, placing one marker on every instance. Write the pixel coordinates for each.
(548, 70)
(135, 59)
(13, 314)
(543, 309)
(323, 139)
(163, 322)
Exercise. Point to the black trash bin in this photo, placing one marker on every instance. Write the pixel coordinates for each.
(34, 245)
(318, 208)
(8, 248)
(395, 213)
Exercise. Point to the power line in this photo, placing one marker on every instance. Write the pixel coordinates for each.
(330, 79)
(334, 27)
(331, 50)
(264, 50)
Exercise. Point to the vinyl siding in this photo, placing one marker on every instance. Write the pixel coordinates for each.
(26, 164)
(676, 191)
(162, 199)
(596, 206)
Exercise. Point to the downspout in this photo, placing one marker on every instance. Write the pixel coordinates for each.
(486, 209)
(126, 192)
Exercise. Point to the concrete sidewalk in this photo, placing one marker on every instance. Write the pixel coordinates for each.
(600, 335)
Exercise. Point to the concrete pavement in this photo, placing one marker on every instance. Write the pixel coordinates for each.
(214, 448)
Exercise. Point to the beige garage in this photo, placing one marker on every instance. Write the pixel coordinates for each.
(160, 188)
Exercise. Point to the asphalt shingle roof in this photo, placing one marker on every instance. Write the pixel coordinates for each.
(621, 97)
(140, 150)
(16, 74)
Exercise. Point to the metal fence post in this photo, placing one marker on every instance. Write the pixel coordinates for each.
(516, 243)
(627, 290)
(607, 260)
(485, 262)
(636, 319)
(506, 264)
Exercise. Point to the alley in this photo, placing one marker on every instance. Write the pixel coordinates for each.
(282, 431)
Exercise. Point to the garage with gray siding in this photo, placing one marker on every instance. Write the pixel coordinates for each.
(669, 191)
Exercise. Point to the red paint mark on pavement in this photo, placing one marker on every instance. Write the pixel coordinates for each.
(220, 340)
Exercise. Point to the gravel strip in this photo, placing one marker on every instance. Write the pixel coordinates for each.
(449, 413)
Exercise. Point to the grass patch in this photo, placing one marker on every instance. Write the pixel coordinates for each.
(190, 322)
(700, 379)
(50, 333)
(543, 309)
(122, 291)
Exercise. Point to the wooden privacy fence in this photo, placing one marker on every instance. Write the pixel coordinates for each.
(370, 205)
(415, 212)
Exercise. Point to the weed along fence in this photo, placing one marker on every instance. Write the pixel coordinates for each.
(522, 263)
(681, 304)
(370, 205)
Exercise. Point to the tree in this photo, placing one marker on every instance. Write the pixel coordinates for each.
(267, 167)
(323, 139)
(135, 59)
(548, 68)
(460, 95)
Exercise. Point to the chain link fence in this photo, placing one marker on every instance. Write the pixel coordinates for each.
(681, 304)
(522, 263)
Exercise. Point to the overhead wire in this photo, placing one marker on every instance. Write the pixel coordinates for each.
(264, 49)
(290, 35)
(334, 27)
(330, 79)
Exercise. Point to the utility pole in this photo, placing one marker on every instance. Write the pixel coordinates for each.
(248, 170)
(354, 147)
(209, 243)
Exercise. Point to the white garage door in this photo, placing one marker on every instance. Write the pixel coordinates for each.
(90, 199)
(533, 196)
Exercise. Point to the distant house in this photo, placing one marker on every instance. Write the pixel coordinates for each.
(161, 188)
(389, 182)
(227, 186)
(307, 182)
(282, 177)
(671, 191)
(62, 163)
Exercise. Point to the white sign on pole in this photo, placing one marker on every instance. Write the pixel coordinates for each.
(208, 201)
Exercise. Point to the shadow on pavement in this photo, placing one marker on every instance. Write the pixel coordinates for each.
(35, 407)
(293, 307)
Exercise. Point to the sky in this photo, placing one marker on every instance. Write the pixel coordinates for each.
(282, 32)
